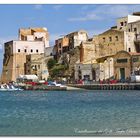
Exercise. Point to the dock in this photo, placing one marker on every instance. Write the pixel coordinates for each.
(118, 86)
(44, 87)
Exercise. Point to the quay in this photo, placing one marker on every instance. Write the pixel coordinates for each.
(50, 88)
(118, 86)
(44, 87)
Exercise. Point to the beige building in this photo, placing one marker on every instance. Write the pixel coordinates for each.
(106, 67)
(125, 64)
(122, 23)
(15, 55)
(62, 45)
(102, 48)
(112, 41)
(87, 71)
(34, 34)
(70, 41)
(36, 65)
(87, 51)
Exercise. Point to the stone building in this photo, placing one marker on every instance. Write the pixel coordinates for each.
(87, 71)
(34, 34)
(135, 27)
(87, 51)
(122, 23)
(70, 41)
(62, 45)
(15, 55)
(36, 64)
(126, 63)
(102, 48)
(106, 68)
(112, 41)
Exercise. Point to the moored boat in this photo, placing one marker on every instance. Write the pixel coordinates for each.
(6, 87)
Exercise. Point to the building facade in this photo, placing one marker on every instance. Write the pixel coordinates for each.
(36, 65)
(34, 34)
(122, 23)
(70, 41)
(15, 55)
(125, 64)
(88, 72)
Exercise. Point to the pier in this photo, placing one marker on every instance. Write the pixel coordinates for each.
(44, 87)
(119, 86)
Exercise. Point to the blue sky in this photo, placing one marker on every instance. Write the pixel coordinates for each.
(59, 19)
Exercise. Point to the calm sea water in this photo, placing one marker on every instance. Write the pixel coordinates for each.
(69, 113)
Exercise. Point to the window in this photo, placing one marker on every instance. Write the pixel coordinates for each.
(38, 66)
(31, 50)
(25, 50)
(37, 51)
(103, 39)
(135, 29)
(117, 38)
(59, 51)
(135, 59)
(59, 45)
(18, 50)
(121, 60)
(125, 23)
(35, 67)
(110, 39)
(129, 30)
(121, 23)
(129, 49)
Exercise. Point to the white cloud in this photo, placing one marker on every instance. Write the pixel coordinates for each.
(38, 6)
(105, 12)
(57, 7)
(87, 17)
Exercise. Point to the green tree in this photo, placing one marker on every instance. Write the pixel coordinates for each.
(51, 63)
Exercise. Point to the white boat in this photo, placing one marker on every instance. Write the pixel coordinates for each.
(9, 88)
(58, 85)
(135, 78)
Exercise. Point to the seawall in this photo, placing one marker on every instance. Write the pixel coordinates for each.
(119, 86)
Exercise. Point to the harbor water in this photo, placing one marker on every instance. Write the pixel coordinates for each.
(70, 113)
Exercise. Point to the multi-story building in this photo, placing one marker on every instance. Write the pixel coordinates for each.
(102, 48)
(36, 65)
(122, 23)
(112, 41)
(15, 54)
(62, 45)
(70, 41)
(34, 34)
